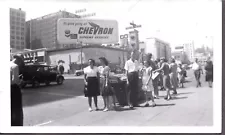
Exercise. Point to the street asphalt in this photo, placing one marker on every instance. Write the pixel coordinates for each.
(65, 105)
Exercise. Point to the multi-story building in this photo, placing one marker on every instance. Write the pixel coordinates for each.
(188, 48)
(158, 48)
(42, 32)
(17, 29)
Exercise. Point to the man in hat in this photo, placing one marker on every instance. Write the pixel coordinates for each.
(197, 72)
(166, 78)
(16, 94)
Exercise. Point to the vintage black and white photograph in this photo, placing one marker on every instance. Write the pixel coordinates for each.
(137, 63)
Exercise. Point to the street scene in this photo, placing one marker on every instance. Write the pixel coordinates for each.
(66, 106)
(91, 66)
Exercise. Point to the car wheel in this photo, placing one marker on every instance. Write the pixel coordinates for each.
(60, 81)
(35, 84)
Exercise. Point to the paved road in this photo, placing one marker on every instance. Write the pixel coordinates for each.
(65, 105)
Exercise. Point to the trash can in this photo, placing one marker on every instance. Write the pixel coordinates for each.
(119, 85)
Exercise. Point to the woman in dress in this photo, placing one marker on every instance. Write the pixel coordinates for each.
(91, 80)
(209, 72)
(106, 88)
(181, 75)
(173, 75)
(147, 83)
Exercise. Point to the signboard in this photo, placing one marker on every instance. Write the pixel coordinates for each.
(179, 47)
(70, 31)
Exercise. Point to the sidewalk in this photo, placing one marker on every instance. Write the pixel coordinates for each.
(191, 107)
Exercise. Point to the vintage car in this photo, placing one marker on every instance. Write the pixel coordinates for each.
(37, 74)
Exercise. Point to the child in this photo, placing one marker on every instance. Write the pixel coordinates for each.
(147, 83)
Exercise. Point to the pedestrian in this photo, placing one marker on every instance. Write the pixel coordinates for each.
(173, 75)
(166, 78)
(209, 72)
(148, 83)
(91, 80)
(132, 67)
(156, 80)
(105, 86)
(160, 80)
(17, 65)
(197, 72)
(181, 75)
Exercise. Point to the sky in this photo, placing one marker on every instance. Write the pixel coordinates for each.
(174, 21)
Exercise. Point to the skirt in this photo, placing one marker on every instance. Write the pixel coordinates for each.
(92, 89)
(209, 77)
(173, 79)
(106, 91)
(166, 82)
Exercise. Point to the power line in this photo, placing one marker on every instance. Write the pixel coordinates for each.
(131, 7)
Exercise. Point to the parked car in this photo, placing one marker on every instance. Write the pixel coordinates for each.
(79, 72)
(37, 74)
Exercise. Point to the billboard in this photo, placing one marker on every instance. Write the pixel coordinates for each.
(70, 31)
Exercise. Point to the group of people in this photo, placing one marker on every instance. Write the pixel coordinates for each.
(167, 74)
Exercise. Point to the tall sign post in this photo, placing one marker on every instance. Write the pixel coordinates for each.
(123, 39)
(134, 36)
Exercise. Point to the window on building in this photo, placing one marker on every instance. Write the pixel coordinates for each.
(17, 33)
(22, 38)
(18, 23)
(18, 14)
(22, 43)
(13, 22)
(12, 27)
(17, 38)
(22, 33)
(17, 28)
(22, 29)
(12, 31)
(17, 47)
(12, 45)
(12, 37)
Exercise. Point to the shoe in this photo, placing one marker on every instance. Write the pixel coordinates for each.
(146, 105)
(97, 109)
(90, 109)
(153, 104)
(105, 110)
(175, 93)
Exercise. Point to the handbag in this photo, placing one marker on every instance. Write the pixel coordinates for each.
(85, 89)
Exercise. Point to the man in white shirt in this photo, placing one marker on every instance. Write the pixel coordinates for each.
(132, 67)
(197, 72)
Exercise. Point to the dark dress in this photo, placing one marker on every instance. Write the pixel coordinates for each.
(92, 89)
(209, 72)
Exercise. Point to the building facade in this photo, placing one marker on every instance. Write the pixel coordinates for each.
(73, 59)
(17, 29)
(42, 32)
(188, 48)
(158, 48)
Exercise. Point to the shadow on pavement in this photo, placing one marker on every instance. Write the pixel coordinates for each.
(176, 98)
(121, 109)
(184, 93)
(44, 94)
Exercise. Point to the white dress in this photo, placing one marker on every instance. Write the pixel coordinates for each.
(146, 74)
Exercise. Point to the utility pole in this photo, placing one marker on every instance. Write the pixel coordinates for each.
(134, 36)
(30, 34)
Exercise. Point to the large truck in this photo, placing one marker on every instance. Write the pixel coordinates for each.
(158, 48)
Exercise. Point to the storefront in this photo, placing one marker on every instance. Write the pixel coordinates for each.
(73, 59)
